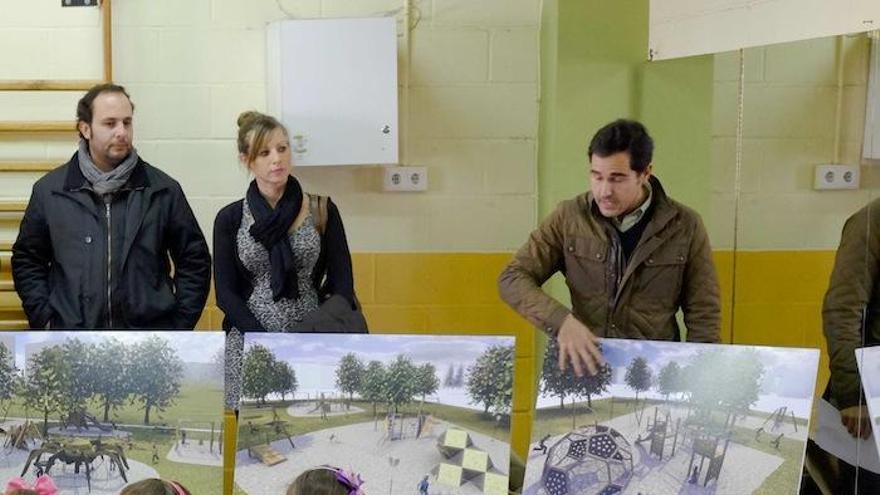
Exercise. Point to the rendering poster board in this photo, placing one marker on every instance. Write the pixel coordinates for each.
(399, 410)
(98, 410)
(670, 417)
(869, 369)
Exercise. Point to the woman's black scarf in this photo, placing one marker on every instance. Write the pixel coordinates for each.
(271, 228)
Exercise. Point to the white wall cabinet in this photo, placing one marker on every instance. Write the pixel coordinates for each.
(333, 82)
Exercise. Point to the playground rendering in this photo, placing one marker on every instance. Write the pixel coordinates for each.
(80, 407)
(869, 367)
(399, 410)
(672, 418)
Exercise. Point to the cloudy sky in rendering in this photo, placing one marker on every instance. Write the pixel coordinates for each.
(191, 347)
(314, 356)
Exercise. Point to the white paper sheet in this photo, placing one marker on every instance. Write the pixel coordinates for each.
(832, 437)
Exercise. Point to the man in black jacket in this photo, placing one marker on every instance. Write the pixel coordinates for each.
(100, 234)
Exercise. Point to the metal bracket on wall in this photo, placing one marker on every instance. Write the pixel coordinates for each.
(79, 3)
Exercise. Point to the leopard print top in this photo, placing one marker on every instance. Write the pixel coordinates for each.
(275, 316)
(305, 241)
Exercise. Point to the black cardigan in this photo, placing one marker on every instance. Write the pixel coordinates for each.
(232, 281)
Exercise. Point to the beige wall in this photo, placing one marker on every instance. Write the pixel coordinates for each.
(191, 66)
(788, 128)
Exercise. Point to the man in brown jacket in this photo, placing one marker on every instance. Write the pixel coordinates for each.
(631, 257)
(850, 320)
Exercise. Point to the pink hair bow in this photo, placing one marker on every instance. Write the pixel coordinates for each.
(43, 485)
(178, 490)
(349, 479)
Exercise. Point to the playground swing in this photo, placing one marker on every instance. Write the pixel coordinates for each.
(18, 436)
(778, 418)
(180, 434)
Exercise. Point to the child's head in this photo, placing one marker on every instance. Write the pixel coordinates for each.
(42, 486)
(326, 480)
(154, 486)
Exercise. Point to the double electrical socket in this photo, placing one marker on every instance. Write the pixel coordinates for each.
(405, 179)
(836, 177)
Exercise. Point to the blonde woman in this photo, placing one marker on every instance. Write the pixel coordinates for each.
(279, 253)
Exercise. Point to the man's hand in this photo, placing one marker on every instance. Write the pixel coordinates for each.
(578, 345)
(857, 421)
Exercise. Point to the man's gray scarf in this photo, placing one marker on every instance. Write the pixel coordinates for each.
(105, 182)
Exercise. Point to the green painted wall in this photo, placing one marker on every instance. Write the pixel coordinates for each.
(595, 69)
(547, 137)
(676, 106)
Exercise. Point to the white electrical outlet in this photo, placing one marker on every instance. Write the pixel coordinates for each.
(836, 177)
(405, 179)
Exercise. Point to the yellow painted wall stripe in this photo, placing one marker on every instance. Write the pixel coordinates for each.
(779, 299)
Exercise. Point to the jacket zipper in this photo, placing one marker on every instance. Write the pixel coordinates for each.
(107, 199)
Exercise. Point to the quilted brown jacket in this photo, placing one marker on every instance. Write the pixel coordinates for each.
(852, 303)
(670, 268)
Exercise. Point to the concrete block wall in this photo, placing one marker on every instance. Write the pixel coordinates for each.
(424, 262)
(191, 67)
(789, 125)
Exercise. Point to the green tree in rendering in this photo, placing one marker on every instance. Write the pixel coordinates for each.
(669, 381)
(590, 385)
(7, 373)
(218, 363)
(348, 374)
(372, 386)
(723, 379)
(257, 364)
(449, 380)
(80, 359)
(157, 372)
(112, 375)
(283, 379)
(45, 382)
(490, 380)
(553, 380)
(638, 375)
(426, 380)
(459, 377)
(400, 382)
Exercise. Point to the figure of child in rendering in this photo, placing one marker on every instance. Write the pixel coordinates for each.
(424, 485)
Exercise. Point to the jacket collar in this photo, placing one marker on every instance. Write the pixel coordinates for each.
(75, 180)
(660, 203)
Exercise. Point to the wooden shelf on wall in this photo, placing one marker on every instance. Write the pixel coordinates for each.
(9, 301)
(48, 85)
(13, 325)
(12, 211)
(6, 263)
(12, 205)
(24, 126)
(29, 166)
